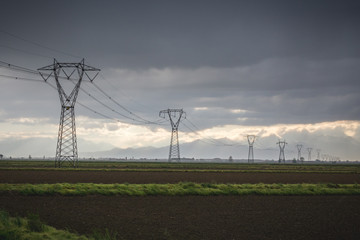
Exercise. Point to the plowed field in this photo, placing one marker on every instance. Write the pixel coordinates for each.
(43, 176)
(191, 217)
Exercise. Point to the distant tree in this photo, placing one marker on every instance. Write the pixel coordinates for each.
(230, 159)
(1, 156)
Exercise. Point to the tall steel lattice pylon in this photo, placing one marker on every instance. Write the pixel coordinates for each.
(175, 116)
(309, 153)
(282, 145)
(299, 147)
(66, 150)
(318, 151)
(251, 140)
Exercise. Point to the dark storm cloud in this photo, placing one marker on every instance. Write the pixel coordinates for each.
(272, 91)
(242, 63)
(282, 61)
(142, 34)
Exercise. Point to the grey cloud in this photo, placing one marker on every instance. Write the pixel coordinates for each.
(274, 91)
(190, 34)
(282, 61)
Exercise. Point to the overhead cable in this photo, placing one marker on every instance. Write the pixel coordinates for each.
(40, 45)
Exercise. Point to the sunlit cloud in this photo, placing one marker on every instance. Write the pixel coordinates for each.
(28, 120)
(201, 108)
(238, 111)
(237, 132)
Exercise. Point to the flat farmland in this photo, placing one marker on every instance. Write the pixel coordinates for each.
(111, 176)
(192, 217)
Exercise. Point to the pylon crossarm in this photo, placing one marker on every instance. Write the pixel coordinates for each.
(91, 79)
(68, 76)
(43, 76)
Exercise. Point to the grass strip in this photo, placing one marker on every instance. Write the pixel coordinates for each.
(157, 166)
(32, 228)
(180, 189)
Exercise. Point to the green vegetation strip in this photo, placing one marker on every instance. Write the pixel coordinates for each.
(180, 189)
(17, 228)
(32, 228)
(183, 167)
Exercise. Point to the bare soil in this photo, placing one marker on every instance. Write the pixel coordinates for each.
(44, 176)
(191, 217)
(198, 217)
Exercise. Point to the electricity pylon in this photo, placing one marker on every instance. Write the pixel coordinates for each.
(282, 145)
(175, 115)
(251, 140)
(309, 153)
(318, 151)
(299, 147)
(66, 150)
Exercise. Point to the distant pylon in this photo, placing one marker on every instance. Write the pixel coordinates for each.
(282, 145)
(299, 147)
(66, 150)
(318, 151)
(309, 153)
(175, 115)
(251, 140)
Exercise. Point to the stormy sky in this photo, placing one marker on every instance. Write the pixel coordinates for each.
(277, 69)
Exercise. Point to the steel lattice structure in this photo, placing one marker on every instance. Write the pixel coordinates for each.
(318, 151)
(309, 153)
(282, 145)
(299, 147)
(175, 116)
(66, 150)
(251, 140)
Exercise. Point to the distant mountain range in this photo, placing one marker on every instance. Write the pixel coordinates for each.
(197, 150)
(265, 148)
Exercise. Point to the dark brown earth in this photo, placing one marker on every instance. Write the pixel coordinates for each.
(32, 176)
(198, 217)
(191, 217)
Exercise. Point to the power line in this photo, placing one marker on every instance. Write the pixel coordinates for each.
(106, 106)
(65, 53)
(17, 68)
(122, 92)
(204, 139)
(122, 107)
(212, 139)
(23, 51)
(13, 67)
(81, 104)
(30, 71)
(94, 111)
(21, 78)
(40, 45)
(142, 121)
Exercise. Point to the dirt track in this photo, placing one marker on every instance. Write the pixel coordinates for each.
(22, 176)
(191, 217)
